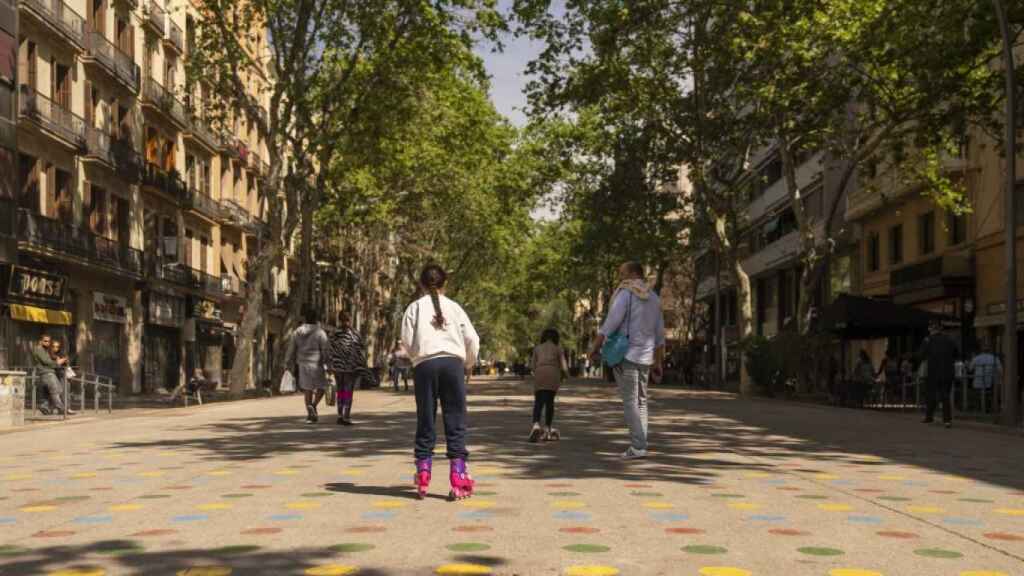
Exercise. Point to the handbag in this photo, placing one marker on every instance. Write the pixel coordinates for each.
(616, 345)
(287, 382)
(331, 395)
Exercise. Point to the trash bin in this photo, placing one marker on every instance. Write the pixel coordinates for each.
(12, 399)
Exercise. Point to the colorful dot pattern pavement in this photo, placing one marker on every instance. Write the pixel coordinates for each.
(157, 501)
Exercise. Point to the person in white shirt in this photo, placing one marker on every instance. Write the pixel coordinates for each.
(443, 346)
(987, 369)
(636, 310)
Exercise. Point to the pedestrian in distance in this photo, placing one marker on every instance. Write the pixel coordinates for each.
(400, 366)
(550, 368)
(62, 371)
(443, 346)
(348, 362)
(635, 333)
(45, 367)
(309, 352)
(863, 377)
(938, 352)
(889, 369)
(986, 369)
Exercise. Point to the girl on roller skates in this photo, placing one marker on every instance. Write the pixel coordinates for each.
(443, 347)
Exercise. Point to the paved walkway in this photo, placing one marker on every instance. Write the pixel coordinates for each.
(733, 487)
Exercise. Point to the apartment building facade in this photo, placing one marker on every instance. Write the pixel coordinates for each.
(134, 216)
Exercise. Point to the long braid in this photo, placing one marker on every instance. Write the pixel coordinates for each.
(433, 279)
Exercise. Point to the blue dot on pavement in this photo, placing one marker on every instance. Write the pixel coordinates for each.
(8, 520)
(962, 521)
(190, 518)
(766, 518)
(379, 515)
(865, 519)
(669, 517)
(775, 482)
(284, 517)
(94, 519)
(572, 515)
(476, 515)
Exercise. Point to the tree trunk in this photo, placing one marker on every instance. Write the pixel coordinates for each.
(252, 317)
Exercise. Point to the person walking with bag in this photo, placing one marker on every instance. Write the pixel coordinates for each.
(549, 368)
(309, 352)
(632, 342)
(443, 347)
(348, 362)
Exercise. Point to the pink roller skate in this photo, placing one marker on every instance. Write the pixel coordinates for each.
(423, 477)
(462, 483)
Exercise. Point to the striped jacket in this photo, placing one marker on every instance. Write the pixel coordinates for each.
(348, 353)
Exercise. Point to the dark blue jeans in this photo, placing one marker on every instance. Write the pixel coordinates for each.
(441, 380)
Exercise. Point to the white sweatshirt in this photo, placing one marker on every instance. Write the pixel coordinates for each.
(424, 341)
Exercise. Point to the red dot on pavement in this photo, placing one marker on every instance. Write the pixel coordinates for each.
(260, 531)
(787, 532)
(157, 532)
(366, 529)
(684, 531)
(898, 535)
(53, 534)
(471, 529)
(579, 530)
(1004, 536)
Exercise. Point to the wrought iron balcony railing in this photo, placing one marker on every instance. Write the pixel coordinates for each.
(52, 117)
(155, 17)
(169, 183)
(117, 63)
(60, 17)
(38, 230)
(175, 38)
(157, 95)
(127, 162)
(97, 145)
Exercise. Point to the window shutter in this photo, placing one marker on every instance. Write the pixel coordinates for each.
(90, 106)
(88, 205)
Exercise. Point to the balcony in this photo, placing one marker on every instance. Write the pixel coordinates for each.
(8, 15)
(55, 237)
(184, 276)
(228, 144)
(941, 276)
(163, 101)
(169, 183)
(97, 147)
(200, 133)
(8, 133)
(175, 39)
(233, 213)
(106, 56)
(198, 199)
(127, 162)
(58, 18)
(52, 119)
(155, 18)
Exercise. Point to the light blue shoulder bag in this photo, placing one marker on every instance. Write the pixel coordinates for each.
(616, 345)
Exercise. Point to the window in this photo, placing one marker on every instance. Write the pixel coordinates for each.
(97, 16)
(62, 85)
(170, 236)
(28, 179)
(204, 249)
(96, 209)
(957, 228)
(60, 205)
(926, 233)
(896, 244)
(31, 66)
(874, 262)
(188, 248)
(125, 35)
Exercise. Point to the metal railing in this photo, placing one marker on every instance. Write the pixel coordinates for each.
(164, 99)
(51, 116)
(119, 64)
(175, 36)
(201, 202)
(53, 234)
(127, 162)
(207, 282)
(187, 277)
(83, 380)
(234, 211)
(167, 182)
(60, 16)
(198, 128)
(97, 145)
(156, 16)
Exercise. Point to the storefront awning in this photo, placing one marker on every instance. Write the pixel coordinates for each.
(26, 313)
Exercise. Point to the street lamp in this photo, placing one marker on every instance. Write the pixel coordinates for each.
(1010, 401)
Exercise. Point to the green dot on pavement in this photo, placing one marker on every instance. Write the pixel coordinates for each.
(468, 547)
(647, 494)
(819, 551)
(894, 498)
(317, 494)
(350, 547)
(239, 549)
(812, 497)
(12, 551)
(704, 549)
(586, 548)
(938, 553)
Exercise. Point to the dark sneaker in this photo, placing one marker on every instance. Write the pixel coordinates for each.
(947, 424)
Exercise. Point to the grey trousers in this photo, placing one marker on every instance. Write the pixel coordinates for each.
(632, 380)
(54, 390)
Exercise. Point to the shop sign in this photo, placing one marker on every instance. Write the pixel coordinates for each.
(109, 308)
(166, 310)
(36, 285)
(206, 310)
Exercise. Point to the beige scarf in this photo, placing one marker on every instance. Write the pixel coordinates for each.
(638, 287)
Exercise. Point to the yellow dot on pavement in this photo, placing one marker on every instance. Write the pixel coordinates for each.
(353, 472)
(389, 504)
(756, 475)
(835, 507)
(83, 475)
(744, 506)
(924, 509)
(724, 571)
(286, 472)
(38, 508)
(658, 505)
(853, 572)
(303, 505)
(214, 506)
(487, 470)
(79, 572)
(1010, 511)
(206, 571)
(125, 508)
(331, 570)
(16, 477)
(463, 569)
(983, 573)
(893, 478)
(151, 474)
(476, 503)
(568, 504)
(591, 571)
(220, 473)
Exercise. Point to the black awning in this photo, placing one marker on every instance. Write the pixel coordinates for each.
(860, 318)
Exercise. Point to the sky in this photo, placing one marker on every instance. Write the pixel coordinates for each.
(508, 72)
